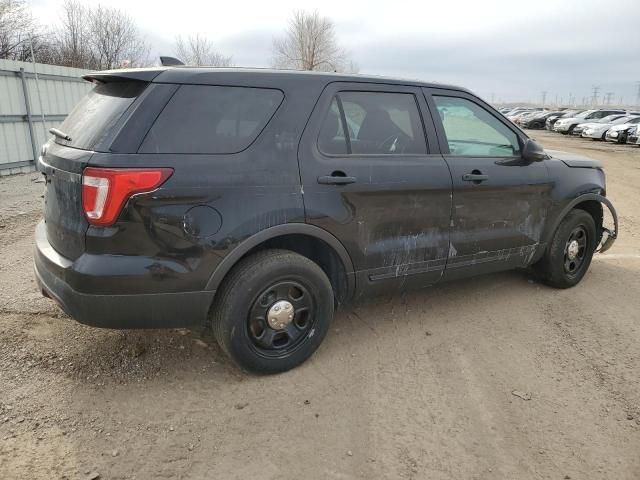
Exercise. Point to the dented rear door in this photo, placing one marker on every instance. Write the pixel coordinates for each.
(381, 189)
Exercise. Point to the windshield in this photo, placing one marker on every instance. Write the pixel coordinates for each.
(97, 113)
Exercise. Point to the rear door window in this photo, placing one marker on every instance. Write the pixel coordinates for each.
(373, 123)
(204, 119)
(332, 140)
(96, 114)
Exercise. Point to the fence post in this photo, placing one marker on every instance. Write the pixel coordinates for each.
(27, 103)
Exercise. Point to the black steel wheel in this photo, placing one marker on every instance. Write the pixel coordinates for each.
(575, 250)
(281, 317)
(273, 311)
(568, 256)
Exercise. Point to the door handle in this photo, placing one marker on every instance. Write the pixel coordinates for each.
(476, 176)
(336, 178)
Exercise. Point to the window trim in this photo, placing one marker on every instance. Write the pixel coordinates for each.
(343, 120)
(349, 154)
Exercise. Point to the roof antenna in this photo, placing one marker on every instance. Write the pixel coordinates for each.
(170, 61)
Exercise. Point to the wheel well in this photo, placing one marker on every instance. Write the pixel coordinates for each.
(316, 250)
(593, 208)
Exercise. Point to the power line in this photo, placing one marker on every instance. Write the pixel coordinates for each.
(594, 95)
(609, 97)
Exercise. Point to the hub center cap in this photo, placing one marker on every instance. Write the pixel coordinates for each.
(573, 249)
(280, 315)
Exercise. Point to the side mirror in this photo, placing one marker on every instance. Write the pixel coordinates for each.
(533, 151)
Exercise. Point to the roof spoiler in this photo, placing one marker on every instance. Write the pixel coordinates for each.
(140, 75)
(170, 61)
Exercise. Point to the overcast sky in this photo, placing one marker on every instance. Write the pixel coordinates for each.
(506, 49)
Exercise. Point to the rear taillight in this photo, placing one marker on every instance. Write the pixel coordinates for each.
(105, 190)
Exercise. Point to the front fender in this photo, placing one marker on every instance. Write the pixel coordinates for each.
(608, 236)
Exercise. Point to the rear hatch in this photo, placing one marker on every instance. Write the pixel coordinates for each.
(89, 128)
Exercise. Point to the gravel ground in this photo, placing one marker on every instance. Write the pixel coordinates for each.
(491, 378)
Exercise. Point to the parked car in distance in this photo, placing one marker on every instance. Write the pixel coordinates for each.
(516, 118)
(633, 135)
(567, 124)
(549, 123)
(514, 111)
(518, 114)
(601, 125)
(618, 133)
(537, 121)
(259, 201)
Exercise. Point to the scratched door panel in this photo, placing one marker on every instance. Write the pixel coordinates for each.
(498, 213)
(394, 218)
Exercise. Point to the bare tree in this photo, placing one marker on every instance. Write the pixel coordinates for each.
(114, 39)
(197, 50)
(17, 30)
(72, 38)
(310, 43)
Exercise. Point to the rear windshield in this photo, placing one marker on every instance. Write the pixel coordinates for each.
(95, 116)
(211, 119)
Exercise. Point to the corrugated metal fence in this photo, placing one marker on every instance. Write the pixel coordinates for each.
(23, 104)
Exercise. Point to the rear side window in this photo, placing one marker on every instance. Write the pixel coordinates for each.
(95, 115)
(372, 123)
(211, 119)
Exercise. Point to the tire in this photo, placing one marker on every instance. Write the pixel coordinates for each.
(556, 267)
(622, 137)
(249, 297)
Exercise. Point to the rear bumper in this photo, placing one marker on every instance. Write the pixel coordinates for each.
(561, 128)
(149, 310)
(596, 135)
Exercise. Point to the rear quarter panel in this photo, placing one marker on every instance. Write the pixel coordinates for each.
(237, 195)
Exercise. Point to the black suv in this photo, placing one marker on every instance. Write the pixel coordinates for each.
(261, 200)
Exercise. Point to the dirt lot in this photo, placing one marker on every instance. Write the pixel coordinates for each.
(417, 386)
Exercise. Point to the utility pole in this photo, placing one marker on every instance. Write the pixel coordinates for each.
(638, 95)
(609, 97)
(544, 97)
(594, 95)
